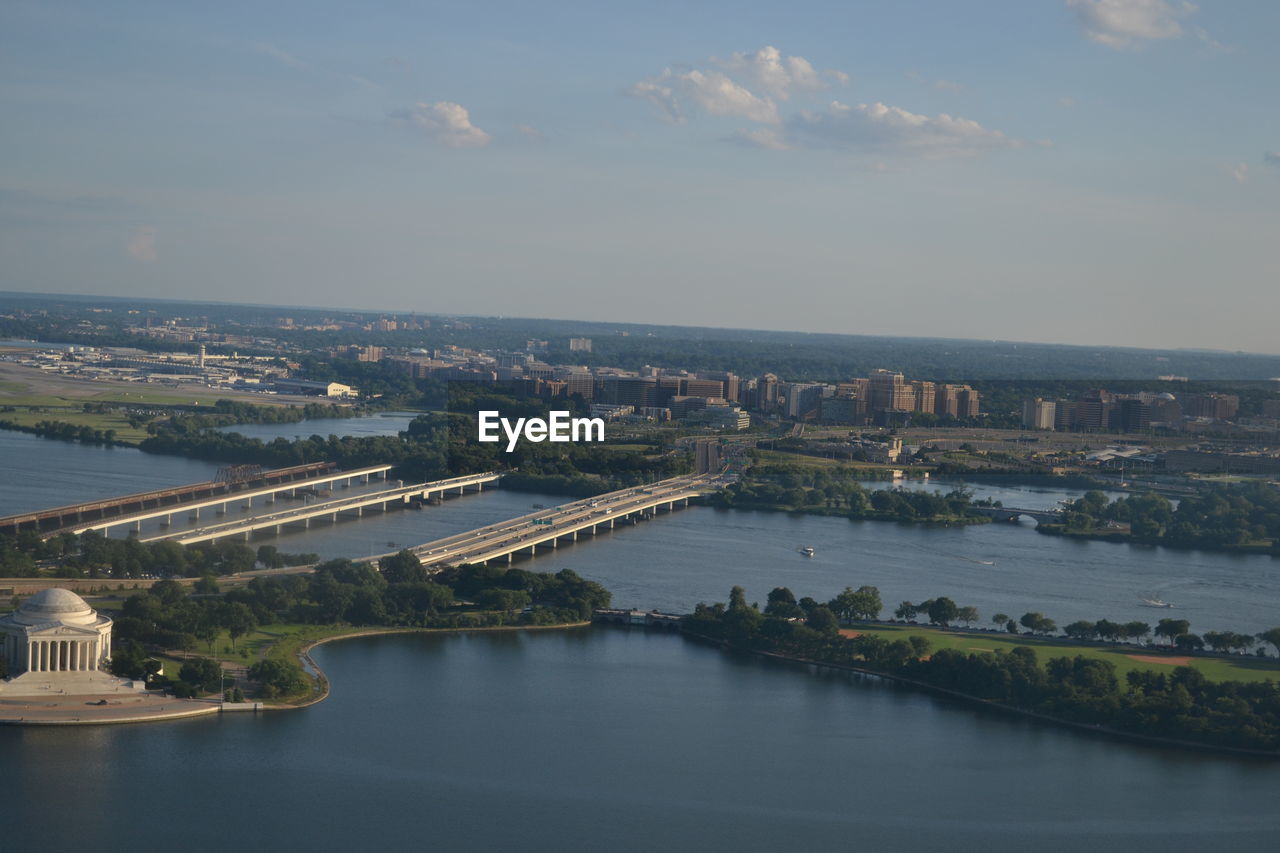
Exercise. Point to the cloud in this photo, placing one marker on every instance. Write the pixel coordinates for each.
(885, 129)
(530, 132)
(776, 74)
(1240, 171)
(1121, 23)
(711, 91)
(142, 245)
(443, 122)
(1067, 102)
(1271, 158)
(752, 85)
(282, 56)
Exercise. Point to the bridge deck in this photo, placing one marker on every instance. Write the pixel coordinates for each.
(176, 495)
(400, 494)
(547, 527)
(230, 497)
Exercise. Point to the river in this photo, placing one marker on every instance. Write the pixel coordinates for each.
(612, 739)
(697, 554)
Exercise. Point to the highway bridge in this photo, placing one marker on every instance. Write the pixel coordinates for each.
(383, 499)
(219, 504)
(177, 496)
(549, 528)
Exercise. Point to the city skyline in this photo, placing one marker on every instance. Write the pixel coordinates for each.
(1075, 172)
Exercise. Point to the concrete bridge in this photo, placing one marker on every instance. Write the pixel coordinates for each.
(219, 505)
(548, 529)
(177, 496)
(1012, 513)
(384, 499)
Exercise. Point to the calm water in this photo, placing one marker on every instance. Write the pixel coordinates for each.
(383, 423)
(607, 739)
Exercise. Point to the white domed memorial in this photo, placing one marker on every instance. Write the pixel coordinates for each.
(56, 643)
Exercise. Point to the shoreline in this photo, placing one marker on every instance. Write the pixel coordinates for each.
(1105, 731)
(303, 654)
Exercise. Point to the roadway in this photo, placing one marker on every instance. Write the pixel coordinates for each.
(383, 498)
(547, 527)
(223, 501)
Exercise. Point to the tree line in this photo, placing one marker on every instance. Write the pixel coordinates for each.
(1218, 516)
(1182, 705)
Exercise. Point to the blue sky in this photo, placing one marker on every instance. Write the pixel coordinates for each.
(1079, 171)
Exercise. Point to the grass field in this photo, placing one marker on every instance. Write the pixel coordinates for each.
(1214, 668)
(110, 420)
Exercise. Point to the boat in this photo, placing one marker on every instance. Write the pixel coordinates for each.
(807, 550)
(1155, 602)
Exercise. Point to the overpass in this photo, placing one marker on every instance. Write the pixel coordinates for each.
(548, 528)
(268, 495)
(57, 517)
(382, 499)
(1012, 513)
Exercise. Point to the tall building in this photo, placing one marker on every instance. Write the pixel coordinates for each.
(890, 392)
(1220, 407)
(925, 394)
(579, 344)
(1038, 413)
(767, 392)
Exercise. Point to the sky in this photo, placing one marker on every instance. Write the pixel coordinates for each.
(1099, 172)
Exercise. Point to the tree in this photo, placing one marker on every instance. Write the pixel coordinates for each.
(202, 673)
(782, 603)
(1080, 630)
(207, 585)
(822, 620)
(1136, 630)
(238, 620)
(919, 645)
(403, 567)
(967, 614)
(1271, 636)
(1038, 623)
(905, 611)
(862, 604)
(1000, 619)
(269, 557)
(943, 611)
(1171, 628)
(1011, 626)
(1188, 642)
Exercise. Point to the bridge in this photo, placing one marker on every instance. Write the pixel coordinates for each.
(57, 517)
(220, 503)
(384, 499)
(1012, 513)
(548, 528)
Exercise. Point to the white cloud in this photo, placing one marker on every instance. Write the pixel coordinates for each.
(531, 133)
(1121, 23)
(444, 122)
(282, 56)
(142, 245)
(880, 128)
(1240, 171)
(1271, 158)
(712, 91)
(1067, 102)
(776, 74)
